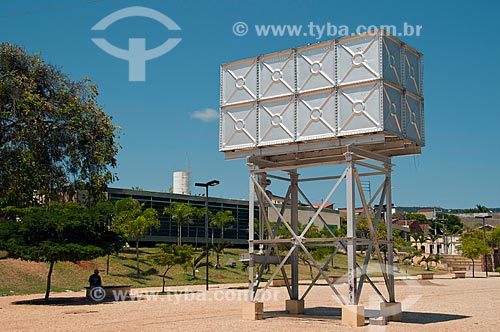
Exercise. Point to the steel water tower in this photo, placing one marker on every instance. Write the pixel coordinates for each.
(354, 101)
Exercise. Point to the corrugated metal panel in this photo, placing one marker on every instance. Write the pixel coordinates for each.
(316, 67)
(239, 82)
(358, 59)
(393, 109)
(359, 109)
(277, 75)
(348, 86)
(238, 126)
(414, 118)
(277, 121)
(317, 115)
(413, 71)
(392, 60)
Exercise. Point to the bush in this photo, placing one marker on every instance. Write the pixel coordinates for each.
(497, 269)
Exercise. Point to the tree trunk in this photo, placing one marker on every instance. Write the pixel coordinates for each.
(137, 255)
(49, 277)
(163, 287)
(310, 269)
(179, 230)
(107, 265)
(217, 265)
(222, 237)
(473, 276)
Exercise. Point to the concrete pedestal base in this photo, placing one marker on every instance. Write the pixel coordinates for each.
(353, 315)
(294, 307)
(252, 310)
(391, 311)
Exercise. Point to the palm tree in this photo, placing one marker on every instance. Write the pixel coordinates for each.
(429, 259)
(419, 239)
(433, 238)
(218, 248)
(221, 219)
(182, 214)
(453, 231)
(408, 260)
(196, 262)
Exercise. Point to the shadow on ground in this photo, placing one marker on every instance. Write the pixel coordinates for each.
(429, 317)
(326, 313)
(76, 301)
(71, 301)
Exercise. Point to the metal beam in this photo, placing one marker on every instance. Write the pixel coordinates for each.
(294, 220)
(351, 230)
(251, 231)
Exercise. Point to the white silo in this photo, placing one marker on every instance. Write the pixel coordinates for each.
(181, 183)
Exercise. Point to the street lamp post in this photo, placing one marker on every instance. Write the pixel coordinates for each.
(206, 185)
(484, 216)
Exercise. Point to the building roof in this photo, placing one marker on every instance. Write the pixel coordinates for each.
(413, 225)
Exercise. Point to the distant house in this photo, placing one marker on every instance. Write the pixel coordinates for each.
(428, 213)
(357, 212)
(412, 226)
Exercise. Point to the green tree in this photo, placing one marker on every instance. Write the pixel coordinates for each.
(135, 222)
(416, 216)
(196, 262)
(62, 232)
(105, 210)
(493, 237)
(478, 209)
(446, 225)
(55, 138)
(171, 255)
(218, 249)
(409, 259)
(433, 238)
(419, 239)
(429, 259)
(182, 214)
(221, 219)
(473, 248)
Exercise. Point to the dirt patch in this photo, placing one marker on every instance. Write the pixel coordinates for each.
(86, 265)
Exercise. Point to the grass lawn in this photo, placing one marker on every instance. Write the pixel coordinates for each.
(19, 277)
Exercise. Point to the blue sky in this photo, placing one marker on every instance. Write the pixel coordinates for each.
(459, 167)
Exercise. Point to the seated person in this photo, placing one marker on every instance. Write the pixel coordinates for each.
(95, 279)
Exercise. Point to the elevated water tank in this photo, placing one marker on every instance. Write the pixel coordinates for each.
(181, 183)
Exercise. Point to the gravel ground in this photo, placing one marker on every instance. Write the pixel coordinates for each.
(428, 305)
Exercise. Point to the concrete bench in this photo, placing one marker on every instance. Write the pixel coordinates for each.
(425, 276)
(109, 292)
(459, 274)
(230, 263)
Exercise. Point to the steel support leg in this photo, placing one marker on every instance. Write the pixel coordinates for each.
(251, 203)
(294, 221)
(351, 230)
(390, 246)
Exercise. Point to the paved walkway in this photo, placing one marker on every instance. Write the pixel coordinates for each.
(429, 305)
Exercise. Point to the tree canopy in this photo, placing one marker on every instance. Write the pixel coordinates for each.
(135, 222)
(54, 136)
(494, 237)
(182, 214)
(221, 219)
(170, 255)
(472, 248)
(416, 216)
(446, 224)
(62, 232)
